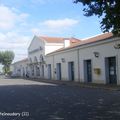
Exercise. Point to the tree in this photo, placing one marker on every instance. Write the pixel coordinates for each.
(108, 10)
(6, 59)
(1, 57)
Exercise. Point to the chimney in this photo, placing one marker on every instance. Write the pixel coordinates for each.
(66, 43)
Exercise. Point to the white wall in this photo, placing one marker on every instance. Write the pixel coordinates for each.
(66, 43)
(105, 50)
(36, 44)
(18, 67)
(51, 47)
(69, 57)
(50, 60)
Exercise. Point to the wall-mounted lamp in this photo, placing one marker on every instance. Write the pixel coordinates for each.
(117, 46)
(96, 54)
(63, 60)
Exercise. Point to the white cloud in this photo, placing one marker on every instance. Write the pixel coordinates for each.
(9, 17)
(60, 23)
(12, 20)
(54, 26)
(15, 42)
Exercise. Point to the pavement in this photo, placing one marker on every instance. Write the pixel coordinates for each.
(79, 84)
(31, 100)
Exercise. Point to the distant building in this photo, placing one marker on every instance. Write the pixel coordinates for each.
(20, 68)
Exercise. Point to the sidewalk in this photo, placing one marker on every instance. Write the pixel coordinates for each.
(87, 85)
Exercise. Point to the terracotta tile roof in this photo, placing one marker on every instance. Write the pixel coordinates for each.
(88, 41)
(53, 39)
(97, 38)
(74, 40)
(93, 39)
(58, 39)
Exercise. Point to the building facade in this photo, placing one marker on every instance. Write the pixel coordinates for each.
(95, 60)
(39, 48)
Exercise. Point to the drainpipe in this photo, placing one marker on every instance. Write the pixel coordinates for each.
(53, 68)
(78, 65)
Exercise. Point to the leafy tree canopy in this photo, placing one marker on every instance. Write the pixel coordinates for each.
(6, 58)
(109, 10)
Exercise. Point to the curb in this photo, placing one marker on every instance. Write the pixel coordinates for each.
(78, 84)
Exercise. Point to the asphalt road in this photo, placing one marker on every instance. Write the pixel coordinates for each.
(27, 100)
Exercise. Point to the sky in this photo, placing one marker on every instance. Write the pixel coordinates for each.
(20, 20)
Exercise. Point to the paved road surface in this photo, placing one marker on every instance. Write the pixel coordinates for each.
(27, 100)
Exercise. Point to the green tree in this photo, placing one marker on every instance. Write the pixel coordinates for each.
(6, 59)
(108, 10)
(1, 57)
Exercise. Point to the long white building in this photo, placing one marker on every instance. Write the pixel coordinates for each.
(95, 60)
(20, 68)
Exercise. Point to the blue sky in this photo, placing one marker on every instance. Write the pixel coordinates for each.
(20, 20)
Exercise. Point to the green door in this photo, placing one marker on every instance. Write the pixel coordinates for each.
(112, 70)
